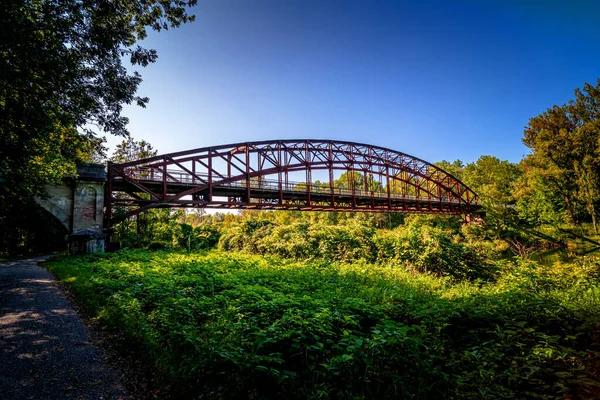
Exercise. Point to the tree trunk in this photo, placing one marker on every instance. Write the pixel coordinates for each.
(571, 210)
(593, 214)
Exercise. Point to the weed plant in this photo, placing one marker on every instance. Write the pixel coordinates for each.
(230, 325)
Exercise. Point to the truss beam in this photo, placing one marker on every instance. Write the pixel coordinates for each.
(256, 175)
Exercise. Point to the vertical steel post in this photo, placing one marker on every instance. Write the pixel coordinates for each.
(308, 173)
(405, 189)
(460, 202)
(108, 201)
(230, 199)
(429, 192)
(260, 162)
(387, 179)
(285, 156)
(419, 196)
(331, 183)
(247, 175)
(279, 177)
(164, 178)
(439, 193)
(353, 184)
(210, 176)
(193, 171)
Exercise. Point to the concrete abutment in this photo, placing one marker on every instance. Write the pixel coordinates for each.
(78, 203)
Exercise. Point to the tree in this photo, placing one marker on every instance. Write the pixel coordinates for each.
(493, 180)
(356, 180)
(454, 168)
(132, 150)
(62, 80)
(535, 203)
(565, 144)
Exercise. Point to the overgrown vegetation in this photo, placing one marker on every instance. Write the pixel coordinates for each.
(63, 84)
(228, 325)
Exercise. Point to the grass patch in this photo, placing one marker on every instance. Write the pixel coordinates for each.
(229, 325)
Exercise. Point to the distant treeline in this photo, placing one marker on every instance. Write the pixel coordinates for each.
(557, 185)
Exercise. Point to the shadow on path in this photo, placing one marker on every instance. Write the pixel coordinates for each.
(45, 349)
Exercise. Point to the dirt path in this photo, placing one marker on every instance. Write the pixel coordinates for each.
(45, 349)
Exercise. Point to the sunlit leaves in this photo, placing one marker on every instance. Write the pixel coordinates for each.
(565, 143)
(61, 69)
(225, 325)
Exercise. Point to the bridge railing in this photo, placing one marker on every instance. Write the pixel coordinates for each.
(182, 177)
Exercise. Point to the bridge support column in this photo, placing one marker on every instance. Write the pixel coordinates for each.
(87, 218)
(78, 203)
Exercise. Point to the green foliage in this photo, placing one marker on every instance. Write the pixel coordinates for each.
(182, 236)
(356, 180)
(206, 236)
(26, 228)
(423, 247)
(223, 325)
(565, 144)
(455, 168)
(154, 225)
(131, 150)
(430, 250)
(62, 72)
(157, 245)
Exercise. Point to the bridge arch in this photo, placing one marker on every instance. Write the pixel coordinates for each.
(260, 175)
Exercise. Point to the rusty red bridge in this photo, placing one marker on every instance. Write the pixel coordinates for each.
(320, 175)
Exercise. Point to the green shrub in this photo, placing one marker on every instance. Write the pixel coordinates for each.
(182, 237)
(206, 237)
(226, 325)
(157, 245)
(428, 249)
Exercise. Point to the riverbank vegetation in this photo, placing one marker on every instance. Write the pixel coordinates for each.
(218, 324)
(307, 305)
(348, 306)
(547, 200)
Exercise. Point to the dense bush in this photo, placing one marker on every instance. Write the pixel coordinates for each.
(206, 236)
(223, 325)
(157, 245)
(428, 249)
(419, 246)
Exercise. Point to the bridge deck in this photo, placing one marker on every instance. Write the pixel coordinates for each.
(271, 194)
(259, 175)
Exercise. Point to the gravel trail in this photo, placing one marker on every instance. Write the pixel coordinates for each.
(45, 349)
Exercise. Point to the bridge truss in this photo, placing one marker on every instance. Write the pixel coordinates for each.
(320, 175)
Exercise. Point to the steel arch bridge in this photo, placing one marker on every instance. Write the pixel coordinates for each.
(278, 175)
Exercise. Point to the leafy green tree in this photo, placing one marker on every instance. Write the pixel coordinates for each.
(62, 82)
(493, 180)
(535, 204)
(132, 150)
(356, 180)
(152, 225)
(454, 168)
(565, 144)
(62, 79)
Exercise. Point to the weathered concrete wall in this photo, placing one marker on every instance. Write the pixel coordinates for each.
(60, 203)
(88, 206)
(79, 202)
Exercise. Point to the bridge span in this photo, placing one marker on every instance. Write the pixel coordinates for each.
(306, 174)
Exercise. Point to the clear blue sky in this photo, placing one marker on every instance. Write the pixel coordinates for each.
(436, 79)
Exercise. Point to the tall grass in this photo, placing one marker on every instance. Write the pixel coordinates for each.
(230, 325)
